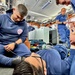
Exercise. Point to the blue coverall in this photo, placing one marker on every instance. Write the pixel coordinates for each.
(55, 65)
(63, 30)
(10, 32)
(62, 51)
(72, 71)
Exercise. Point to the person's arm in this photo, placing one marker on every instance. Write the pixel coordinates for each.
(24, 35)
(57, 20)
(18, 41)
(21, 39)
(66, 63)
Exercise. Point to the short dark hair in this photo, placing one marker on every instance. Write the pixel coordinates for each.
(25, 68)
(57, 2)
(22, 10)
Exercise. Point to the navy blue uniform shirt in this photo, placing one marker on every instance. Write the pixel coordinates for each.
(54, 64)
(11, 31)
(61, 18)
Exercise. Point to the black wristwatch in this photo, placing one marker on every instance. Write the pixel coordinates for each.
(62, 23)
(16, 44)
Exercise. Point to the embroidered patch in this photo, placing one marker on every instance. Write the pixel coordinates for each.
(19, 31)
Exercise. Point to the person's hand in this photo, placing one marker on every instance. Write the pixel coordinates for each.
(9, 47)
(65, 22)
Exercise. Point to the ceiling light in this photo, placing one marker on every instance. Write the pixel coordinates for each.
(46, 4)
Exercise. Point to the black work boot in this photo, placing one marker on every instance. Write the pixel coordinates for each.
(16, 61)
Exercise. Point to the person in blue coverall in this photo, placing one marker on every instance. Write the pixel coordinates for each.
(62, 29)
(72, 3)
(13, 32)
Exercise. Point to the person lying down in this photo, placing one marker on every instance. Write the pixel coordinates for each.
(46, 62)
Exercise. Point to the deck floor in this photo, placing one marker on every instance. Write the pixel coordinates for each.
(6, 71)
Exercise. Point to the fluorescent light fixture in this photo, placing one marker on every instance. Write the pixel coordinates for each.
(46, 4)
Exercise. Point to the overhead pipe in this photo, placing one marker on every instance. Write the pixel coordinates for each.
(46, 4)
